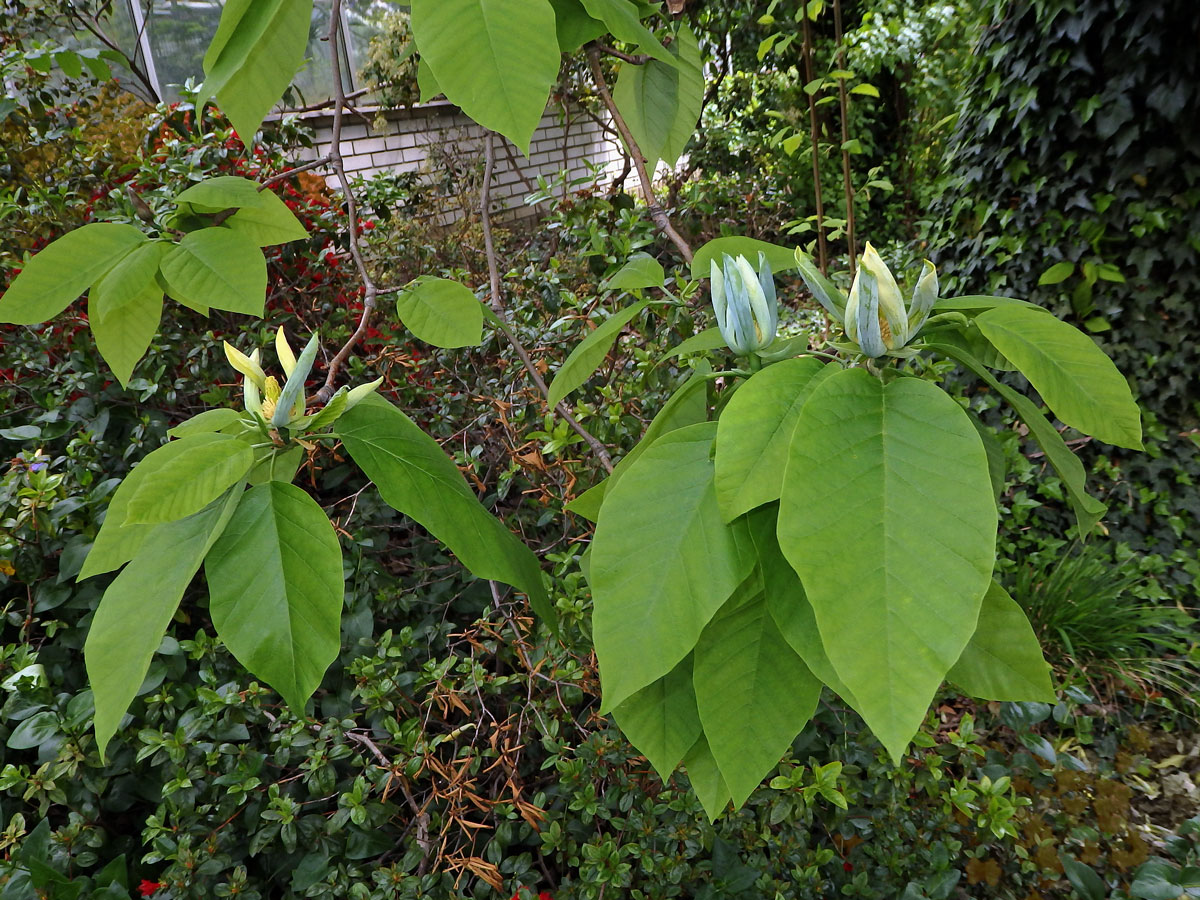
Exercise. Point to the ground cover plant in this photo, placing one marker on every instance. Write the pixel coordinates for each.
(420, 730)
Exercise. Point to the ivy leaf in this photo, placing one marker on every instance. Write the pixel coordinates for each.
(514, 59)
(218, 268)
(895, 588)
(257, 49)
(276, 588)
(1003, 661)
(589, 353)
(706, 779)
(416, 477)
(134, 612)
(441, 312)
(194, 476)
(661, 719)
(754, 432)
(1074, 376)
(64, 269)
(753, 691)
(663, 562)
(782, 259)
(1088, 510)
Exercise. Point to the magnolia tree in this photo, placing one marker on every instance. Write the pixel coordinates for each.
(826, 519)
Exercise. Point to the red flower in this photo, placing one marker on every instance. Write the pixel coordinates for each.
(146, 888)
(847, 867)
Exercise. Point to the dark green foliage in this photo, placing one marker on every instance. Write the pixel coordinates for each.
(1076, 144)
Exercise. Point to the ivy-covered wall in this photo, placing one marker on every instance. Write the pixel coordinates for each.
(1077, 157)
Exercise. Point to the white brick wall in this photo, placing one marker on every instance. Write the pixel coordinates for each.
(560, 141)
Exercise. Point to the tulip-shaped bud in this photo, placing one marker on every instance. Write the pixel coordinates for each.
(744, 302)
(862, 314)
(292, 395)
(925, 294)
(893, 320)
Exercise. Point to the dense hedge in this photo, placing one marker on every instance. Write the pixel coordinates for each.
(1077, 142)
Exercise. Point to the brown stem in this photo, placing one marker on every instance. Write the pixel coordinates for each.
(316, 163)
(661, 221)
(844, 104)
(822, 249)
(497, 305)
(638, 59)
(370, 290)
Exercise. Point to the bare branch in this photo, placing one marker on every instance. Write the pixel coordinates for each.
(316, 163)
(637, 59)
(661, 221)
(497, 305)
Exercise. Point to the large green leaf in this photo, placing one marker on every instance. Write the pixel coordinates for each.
(641, 271)
(661, 102)
(975, 302)
(119, 540)
(589, 353)
(257, 49)
(663, 562)
(1078, 382)
(753, 692)
(218, 268)
(789, 604)
(124, 308)
(706, 340)
(416, 477)
(137, 607)
(624, 22)
(193, 477)
(268, 224)
(441, 312)
(1003, 661)
(754, 432)
(275, 583)
(224, 192)
(687, 406)
(1088, 510)
(888, 517)
(495, 59)
(574, 26)
(661, 719)
(64, 269)
(706, 779)
(782, 259)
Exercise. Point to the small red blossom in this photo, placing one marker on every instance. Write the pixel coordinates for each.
(146, 888)
(847, 867)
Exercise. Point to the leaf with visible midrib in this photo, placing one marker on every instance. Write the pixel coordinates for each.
(589, 353)
(513, 55)
(276, 586)
(191, 479)
(661, 719)
(61, 271)
(663, 562)
(441, 312)
(415, 476)
(218, 268)
(897, 561)
(1077, 381)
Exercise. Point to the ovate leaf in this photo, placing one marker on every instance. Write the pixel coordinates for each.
(589, 353)
(137, 607)
(706, 779)
(193, 477)
(663, 562)
(782, 259)
(975, 302)
(1003, 661)
(64, 269)
(624, 22)
(218, 268)
(223, 192)
(130, 280)
(661, 719)
(416, 477)
(574, 26)
(753, 691)
(513, 55)
(708, 339)
(1077, 381)
(124, 335)
(1057, 273)
(257, 49)
(207, 422)
(1088, 510)
(642, 271)
(276, 585)
(754, 432)
(441, 312)
(269, 223)
(888, 517)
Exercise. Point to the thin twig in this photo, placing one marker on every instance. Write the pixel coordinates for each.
(844, 106)
(822, 250)
(657, 213)
(638, 59)
(370, 291)
(296, 170)
(497, 305)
